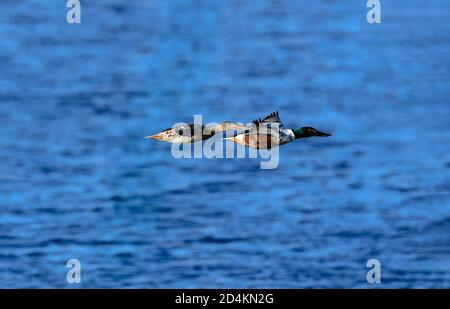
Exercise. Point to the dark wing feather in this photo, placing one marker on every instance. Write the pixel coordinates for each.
(271, 118)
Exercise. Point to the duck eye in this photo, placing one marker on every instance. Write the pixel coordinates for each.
(180, 132)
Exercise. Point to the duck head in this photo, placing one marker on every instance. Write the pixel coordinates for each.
(308, 132)
(167, 135)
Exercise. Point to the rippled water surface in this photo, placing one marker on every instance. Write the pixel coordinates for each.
(78, 180)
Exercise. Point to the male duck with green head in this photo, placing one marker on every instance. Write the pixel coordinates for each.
(267, 133)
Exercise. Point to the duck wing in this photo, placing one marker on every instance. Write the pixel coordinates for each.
(271, 118)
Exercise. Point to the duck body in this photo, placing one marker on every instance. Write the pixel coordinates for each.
(264, 139)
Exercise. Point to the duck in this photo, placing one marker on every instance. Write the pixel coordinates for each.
(190, 133)
(268, 133)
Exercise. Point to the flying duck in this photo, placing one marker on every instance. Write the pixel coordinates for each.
(268, 133)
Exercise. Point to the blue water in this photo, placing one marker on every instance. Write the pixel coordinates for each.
(78, 180)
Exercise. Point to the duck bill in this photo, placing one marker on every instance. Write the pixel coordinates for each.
(322, 134)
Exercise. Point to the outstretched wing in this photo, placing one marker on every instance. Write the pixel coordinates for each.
(271, 118)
